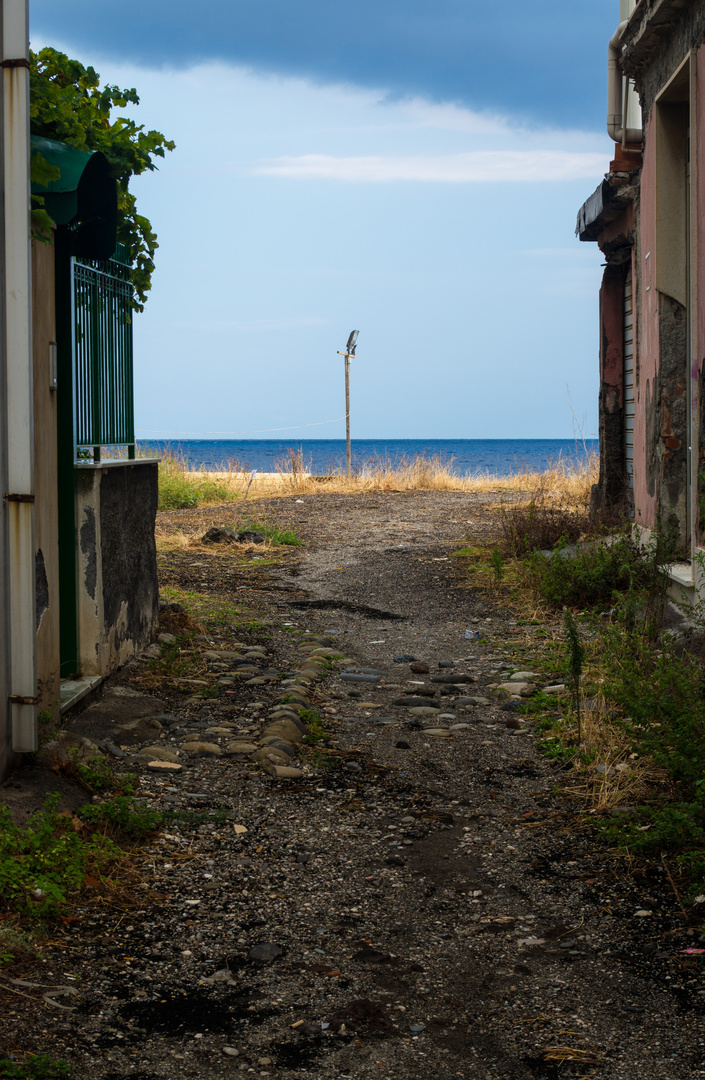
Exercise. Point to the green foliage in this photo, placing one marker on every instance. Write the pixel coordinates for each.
(497, 564)
(575, 658)
(98, 775)
(34, 1067)
(44, 861)
(16, 944)
(180, 489)
(316, 731)
(67, 103)
(542, 524)
(124, 814)
(670, 826)
(271, 532)
(596, 574)
(663, 694)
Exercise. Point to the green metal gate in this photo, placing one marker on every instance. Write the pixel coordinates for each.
(95, 396)
(102, 354)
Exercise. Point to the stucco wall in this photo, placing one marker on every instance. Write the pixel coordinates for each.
(118, 596)
(46, 507)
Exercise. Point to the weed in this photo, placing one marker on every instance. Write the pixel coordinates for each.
(44, 861)
(16, 945)
(576, 656)
(597, 574)
(34, 1067)
(98, 776)
(49, 721)
(497, 564)
(123, 814)
(549, 519)
(316, 731)
(180, 489)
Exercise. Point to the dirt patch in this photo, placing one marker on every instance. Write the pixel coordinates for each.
(434, 898)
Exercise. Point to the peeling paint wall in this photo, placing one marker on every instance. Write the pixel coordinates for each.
(46, 509)
(611, 490)
(118, 595)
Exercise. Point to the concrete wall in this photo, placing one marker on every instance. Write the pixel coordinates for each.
(118, 595)
(45, 479)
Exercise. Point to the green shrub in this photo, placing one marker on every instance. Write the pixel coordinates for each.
(540, 526)
(122, 813)
(179, 488)
(98, 775)
(595, 574)
(34, 1067)
(44, 861)
(273, 534)
(663, 694)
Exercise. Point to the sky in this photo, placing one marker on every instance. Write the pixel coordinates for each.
(412, 170)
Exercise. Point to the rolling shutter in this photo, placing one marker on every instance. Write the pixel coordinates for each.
(628, 381)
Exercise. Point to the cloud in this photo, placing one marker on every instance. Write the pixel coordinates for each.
(477, 166)
(543, 60)
(251, 326)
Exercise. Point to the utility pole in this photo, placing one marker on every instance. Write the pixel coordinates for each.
(348, 354)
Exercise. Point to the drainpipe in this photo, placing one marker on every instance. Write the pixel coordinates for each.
(623, 105)
(16, 343)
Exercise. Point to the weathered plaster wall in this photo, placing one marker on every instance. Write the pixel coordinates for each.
(698, 352)
(646, 391)
(46, 506)
(686, 31)
(118, 596)
(610, 489)
(128, 510)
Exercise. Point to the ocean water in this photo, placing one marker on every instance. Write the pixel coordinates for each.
(502, 457)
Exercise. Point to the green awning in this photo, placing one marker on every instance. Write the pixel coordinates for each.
(84, 197)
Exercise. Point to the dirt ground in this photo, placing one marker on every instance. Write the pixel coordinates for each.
(428, 895)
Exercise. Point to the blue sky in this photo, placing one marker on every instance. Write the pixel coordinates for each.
(412, 170)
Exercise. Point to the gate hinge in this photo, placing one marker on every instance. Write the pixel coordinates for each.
(18, 699)
(13, 497)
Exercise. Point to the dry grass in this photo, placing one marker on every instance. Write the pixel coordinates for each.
(565, 480)
(607, 774)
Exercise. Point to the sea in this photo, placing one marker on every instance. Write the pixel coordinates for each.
(467, 457)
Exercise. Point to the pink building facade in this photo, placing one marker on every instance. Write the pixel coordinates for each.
(648, 218)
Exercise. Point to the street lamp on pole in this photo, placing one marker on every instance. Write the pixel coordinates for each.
(348, 353)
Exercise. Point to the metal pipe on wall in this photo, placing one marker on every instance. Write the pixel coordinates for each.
(16, 343)
(623, 107)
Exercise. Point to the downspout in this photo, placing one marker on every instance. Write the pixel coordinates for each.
(16, 301)
(622, 99)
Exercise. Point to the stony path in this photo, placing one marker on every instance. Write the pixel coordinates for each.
(417, 896)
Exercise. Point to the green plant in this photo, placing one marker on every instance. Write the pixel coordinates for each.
(67, 103)
(124, 814)
(597, 574)
(271, 532)
(316, 731)
(575, 658)
(181, 488)
(34, 1067)
(98, 775)
(44, 861)
(546, 521)
(16, 944)
(497, 564)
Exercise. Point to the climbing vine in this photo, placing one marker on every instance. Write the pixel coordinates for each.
(68, 103)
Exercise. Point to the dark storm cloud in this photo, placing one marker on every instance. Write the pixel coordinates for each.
(543, 60)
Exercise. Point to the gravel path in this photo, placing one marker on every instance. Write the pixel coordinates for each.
(422, 896)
